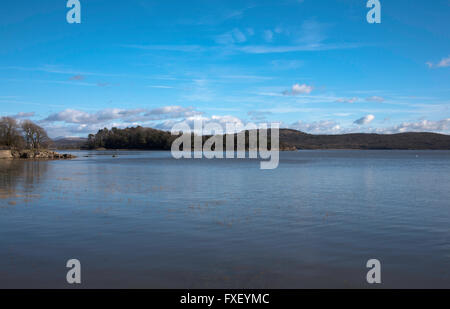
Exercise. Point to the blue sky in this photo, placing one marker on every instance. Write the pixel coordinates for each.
(313, 65)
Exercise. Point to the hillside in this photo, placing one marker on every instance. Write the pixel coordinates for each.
(69, 142)
(402, 141)
(152, 139)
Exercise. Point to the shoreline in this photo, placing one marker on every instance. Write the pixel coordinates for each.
(41, 154)
(281, 150)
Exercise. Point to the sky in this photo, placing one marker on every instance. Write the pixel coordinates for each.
(313, 65)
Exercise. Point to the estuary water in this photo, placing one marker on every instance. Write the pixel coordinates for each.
(146, 220)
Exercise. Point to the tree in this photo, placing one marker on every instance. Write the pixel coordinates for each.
(35, 136)
(9, 133)
(131, 138)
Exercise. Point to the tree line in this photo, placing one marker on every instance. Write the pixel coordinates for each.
(26, 134)
(131, 138)
(141, 138)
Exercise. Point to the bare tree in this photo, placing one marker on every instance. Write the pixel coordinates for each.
(34, 135)
(9, 133)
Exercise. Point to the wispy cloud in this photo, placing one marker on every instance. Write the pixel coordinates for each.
(232, 37)
(365, 120)
(58, 69)
(317, 127)
(249, 77)
(334, 127)
(175, 48)
(73, 116)
(286, 64)
(23, 115)
(258, 115)
(160, 87)
(299, 89)
(347, 100)
(248, 49)
(268, 35)
(445, 62)
(77, 77)
(215, 18)
(69, 122)
(268, 49)
(421, 126)
(375, 99)
(222, 121)
(312, 32)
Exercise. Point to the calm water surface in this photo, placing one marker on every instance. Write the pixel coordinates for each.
(146, 220)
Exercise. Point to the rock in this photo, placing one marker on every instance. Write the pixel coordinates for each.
(288, 148)
(40, 154)
(6, 154)
(26, 155)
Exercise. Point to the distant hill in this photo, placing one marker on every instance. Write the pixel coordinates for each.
(403, 141)
(69, 142)
(152, 139)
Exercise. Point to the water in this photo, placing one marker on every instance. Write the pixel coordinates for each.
(145, 220)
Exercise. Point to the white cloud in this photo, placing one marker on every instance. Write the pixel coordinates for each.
(22, 115)
(365, 120)
(299, 89)
(75, 122)
(333, 127)
(342, 114)
(421, 126)
(445, 62)
(347, 100)
(72, 122)
(317, 127)
(168, 112)
(227, 119)
(190, 121)
(72, 116)
(375, 99)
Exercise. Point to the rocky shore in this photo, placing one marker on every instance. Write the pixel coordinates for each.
(34, 154)
(288, 148)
